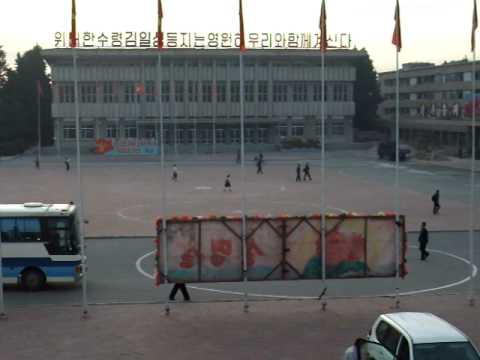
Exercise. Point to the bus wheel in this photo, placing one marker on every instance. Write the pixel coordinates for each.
(33, 279)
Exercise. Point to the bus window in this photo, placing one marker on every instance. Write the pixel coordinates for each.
(61, 239)
(29, 230)
(8, 228)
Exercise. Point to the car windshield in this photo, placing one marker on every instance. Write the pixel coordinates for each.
(445, 351)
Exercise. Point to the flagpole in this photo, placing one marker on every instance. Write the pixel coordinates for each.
(396, 190)
(79, 186)
(322, 188)
(38, 122)
(3, 315)
(163, 200)
(244, 219)
(471, 297)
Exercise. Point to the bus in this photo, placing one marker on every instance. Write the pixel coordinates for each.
(39, 244)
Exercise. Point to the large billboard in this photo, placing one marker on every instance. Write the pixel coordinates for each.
(280, 248)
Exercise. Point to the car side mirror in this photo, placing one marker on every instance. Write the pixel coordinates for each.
(369, 350)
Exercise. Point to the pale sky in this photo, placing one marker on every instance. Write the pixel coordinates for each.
(432, 30)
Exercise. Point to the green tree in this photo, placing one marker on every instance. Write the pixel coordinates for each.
(3, 68)
(20, 97)
(366, 94)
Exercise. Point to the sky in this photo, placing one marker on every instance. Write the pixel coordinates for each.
(432, 30)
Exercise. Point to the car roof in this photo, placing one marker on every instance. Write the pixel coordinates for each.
(426, 328)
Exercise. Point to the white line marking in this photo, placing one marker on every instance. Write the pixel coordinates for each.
(422, 172)
(413, 292)
(203, 188)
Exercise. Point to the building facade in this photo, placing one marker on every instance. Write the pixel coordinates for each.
(200, 97)
(434, 105)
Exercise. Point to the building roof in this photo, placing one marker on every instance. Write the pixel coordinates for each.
(36, 209)
(426, 68)
(61, 54)
(426, 328)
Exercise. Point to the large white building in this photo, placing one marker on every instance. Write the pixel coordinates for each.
(201, 97)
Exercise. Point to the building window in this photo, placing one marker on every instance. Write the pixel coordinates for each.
(165, 91)
(204, 136)
(130, 132)
(338, 128)
(297, 130)
(235, 91)
(66, 93)
(193, 91)
(221, 90)
(88, 93)
(282, 131)
(220, 136)
(235, 136)
(150, 91)
(179, 91)
(69, 132)
(249, 91)
(317, 91)
(207, 91)
(262, 135)
(108, 92)
(262, 91)
(250, 135)
(180, 136)
(87, 132)
(280, 92)
(340, 92)
(300, 92)
(130, 94)
(111, 132)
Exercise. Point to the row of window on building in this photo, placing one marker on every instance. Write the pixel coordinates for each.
(204, 91)
(202, 134)
(433, 79)
(432, 95)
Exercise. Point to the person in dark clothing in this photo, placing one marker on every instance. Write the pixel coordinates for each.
(299, 171)
(259, 165)
(183, 288)
(238, 156)
(67, 164)
(306, 172)
(423, 240)
(37, 163)
(228, 184)
(436, 202)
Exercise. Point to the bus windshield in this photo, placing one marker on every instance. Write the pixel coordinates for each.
(445, 351)
(62, 237)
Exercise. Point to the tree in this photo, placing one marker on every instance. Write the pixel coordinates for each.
(3, 68)
(20, 100)
(366, 94)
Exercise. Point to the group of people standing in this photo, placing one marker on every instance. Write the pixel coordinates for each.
(306, 172)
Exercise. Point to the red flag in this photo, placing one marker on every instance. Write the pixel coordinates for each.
(474, 24)
(39, 88)
(73, 33)
(139, 89)
(159, 30)
(242, 30)
(323, 28)
(397, 33)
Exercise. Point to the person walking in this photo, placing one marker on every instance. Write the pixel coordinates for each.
(436, 202)
(259, 165)
(228, 184)
(299, 172)
(423, 240)
(306, 172)
(183, 288)
(67, 164)
(37, 163)
(175, 173)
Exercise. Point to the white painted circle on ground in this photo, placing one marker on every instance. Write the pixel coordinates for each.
(473, 274)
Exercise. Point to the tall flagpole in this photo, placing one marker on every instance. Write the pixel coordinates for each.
(163, 200)
(242, 161)
(3, 315)
(323, 49)
(471, 296)
(79, 186)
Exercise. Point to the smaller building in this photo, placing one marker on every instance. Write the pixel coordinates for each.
(435, 103)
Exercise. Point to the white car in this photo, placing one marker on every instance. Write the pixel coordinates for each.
(415, 336)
